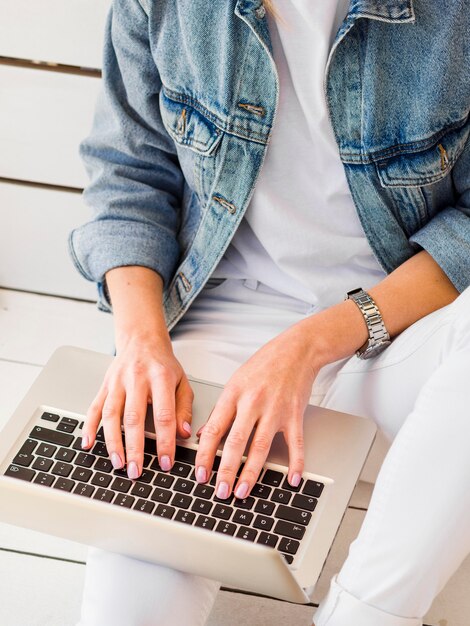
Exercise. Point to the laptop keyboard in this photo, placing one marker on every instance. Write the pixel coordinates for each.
(274, 514)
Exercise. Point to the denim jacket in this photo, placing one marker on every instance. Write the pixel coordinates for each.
(183, 120)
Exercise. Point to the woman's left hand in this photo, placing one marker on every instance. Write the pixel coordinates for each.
(268, 393)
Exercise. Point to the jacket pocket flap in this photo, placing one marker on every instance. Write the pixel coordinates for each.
(424, 167)
(187, 126)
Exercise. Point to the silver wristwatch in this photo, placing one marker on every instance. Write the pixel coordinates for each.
(379, 338)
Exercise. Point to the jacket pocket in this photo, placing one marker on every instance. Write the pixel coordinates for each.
(425, 162)
(187, 125)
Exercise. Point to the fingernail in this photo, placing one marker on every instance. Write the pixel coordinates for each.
(199, 431)
(116, 460)
(132, 470)
(295, 480)
(187, 427)
(222, 491)
(165, 463)
(201, 474)
(85, 441)
(241, 491)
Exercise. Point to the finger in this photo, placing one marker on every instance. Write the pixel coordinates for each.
(93, 419)
(111, 417)
(134, 420)
(184, 407)
(216, 426)
(293, 435)
(234, 448)
(256, 458)
(163, 400)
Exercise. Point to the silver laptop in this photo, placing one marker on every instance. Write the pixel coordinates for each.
(274, 542)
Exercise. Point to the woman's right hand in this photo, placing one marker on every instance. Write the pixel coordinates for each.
(143, 372)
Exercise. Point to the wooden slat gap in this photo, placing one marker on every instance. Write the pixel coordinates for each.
(51, 67)
(32, 183)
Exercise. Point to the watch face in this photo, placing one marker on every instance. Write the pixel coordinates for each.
(374, 350)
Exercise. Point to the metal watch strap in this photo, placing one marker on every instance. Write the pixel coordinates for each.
(379, 338)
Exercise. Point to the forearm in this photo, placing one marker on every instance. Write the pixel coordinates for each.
(415, 289)
(137, 295)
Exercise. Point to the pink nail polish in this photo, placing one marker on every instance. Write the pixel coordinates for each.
(85, 441)
(165, 463)
(187, 427)
(222, 491)
(201, 474)
(132, 470)
(242, 490)
(116, 460)
(295, 480)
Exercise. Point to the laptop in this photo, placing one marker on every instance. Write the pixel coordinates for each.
(275, 542)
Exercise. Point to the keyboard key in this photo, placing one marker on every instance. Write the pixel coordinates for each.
(281, 496)
(77, 444)
(272, 478)
(100, 449)
(226, 528)
(293, 515)
(289, 530)
(288, 545)
(20, 472)
(65, 454)
(42, 464)
(161, 495)
(205, 522)
(141, 490)
(101, 480)
(222, 511)
(82, 474)
(120, 473)
(64, 484)
(25, 456)
(100, 434)
(121, 484)
(124, 500)
(150, 446)
(313, 488)
(85, 460)
(203, 491)
(304, 502)
(51, 436)
(103, 465)
(155, 465)
(64, 427)
(228, 500)
(164, 510)
(144, 505)
(213, 480)
(44, 479)
(242, 517)
(70, 421)
(264, 506)
(185, 516)
(244, 503)
(81, 425)
(28, 447)
(147, 460)
(265, 523)
(163, 480)
(186, 455)
(50, 417)
(181, 500)
(249, 534)
(285, 485)
(147, 476)
(289, 558)
(104, 495)
(44, 449)
(62, 469)
(84, 490)
(261, 491)
(201, 506)
(267, 539)
(184, 486)
(216, 464)
(180, 469)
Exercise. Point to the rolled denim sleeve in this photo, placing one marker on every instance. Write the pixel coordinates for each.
(446, 237)
(135, 181)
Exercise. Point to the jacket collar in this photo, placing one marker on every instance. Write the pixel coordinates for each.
(383, 10)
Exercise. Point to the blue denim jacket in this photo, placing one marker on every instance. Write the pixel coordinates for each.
(183, 120)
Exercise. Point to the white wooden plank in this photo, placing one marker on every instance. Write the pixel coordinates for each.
(39, 592)
(34, 255)
(32, 326)
(43, 117)
(69, 32)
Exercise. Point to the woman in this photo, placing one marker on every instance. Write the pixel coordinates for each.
(232, 261)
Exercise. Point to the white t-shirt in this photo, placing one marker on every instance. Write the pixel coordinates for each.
(301, 234)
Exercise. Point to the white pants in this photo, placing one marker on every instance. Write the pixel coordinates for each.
(417, 529)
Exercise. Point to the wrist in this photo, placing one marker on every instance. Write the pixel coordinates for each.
(141, 335)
